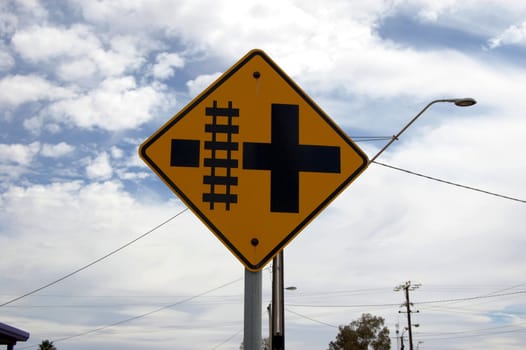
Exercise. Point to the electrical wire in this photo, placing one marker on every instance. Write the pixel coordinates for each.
(344, 306)
(234, 299)
(118, 323)
(471, 298)
(452, 310)
(370, 138)
(449, 182)
(431, 338)
(227, 340)
(441, 334)
(415, 303)
(310, 318)
(94, 261)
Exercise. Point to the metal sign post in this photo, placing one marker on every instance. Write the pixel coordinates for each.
(253, 305)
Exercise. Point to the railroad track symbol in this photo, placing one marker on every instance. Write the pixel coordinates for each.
(221, 129)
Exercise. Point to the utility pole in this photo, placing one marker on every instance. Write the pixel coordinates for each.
(407, 286)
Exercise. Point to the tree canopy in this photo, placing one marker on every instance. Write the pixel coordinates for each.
(46, 345)
(366, 333)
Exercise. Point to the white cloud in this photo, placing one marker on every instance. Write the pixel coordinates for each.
(116, 152)
(19, 89)
(18, 153)
(76, 69)
(8, 21)
(165, 65)
(81, 58)
(49, 201)
(56, 151)
(42, 43)
(127, 52)
(6, 59)
(124, 175)
(15, 160)
(515, 34)
(430, 11)
(78, 52)
(116, 104)
(351, 62)
(99, 168)
(32, 8)
(91, 219)
(197, 85)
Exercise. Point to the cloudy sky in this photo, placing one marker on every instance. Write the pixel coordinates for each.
(84, 83)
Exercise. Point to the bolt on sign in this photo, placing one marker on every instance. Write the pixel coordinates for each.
(254, 158)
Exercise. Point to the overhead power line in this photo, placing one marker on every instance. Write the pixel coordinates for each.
(93, 262)
(98, 329)
(483, 334)
(310, 318)
(464, 332)
(370, 138)
(449, 182)
(415, 303)
(471, 298)
(227, 340)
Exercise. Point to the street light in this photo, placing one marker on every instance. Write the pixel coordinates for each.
(464, 102)
(460, 102)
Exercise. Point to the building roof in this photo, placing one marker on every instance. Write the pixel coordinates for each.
(10, 334)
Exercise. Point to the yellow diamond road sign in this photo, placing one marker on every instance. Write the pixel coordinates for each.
(254, 158)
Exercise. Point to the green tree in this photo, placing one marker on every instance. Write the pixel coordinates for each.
(367, 332)
(46, 345)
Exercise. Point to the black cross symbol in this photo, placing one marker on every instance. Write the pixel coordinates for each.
(286, 158)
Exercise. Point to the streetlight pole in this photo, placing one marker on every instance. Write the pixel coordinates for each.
(460, 102)
(278, 313)
(276, 309)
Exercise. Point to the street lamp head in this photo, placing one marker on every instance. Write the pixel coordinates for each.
(291, 288)
(464, 102)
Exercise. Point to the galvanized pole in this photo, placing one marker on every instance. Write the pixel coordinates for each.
(253, 306)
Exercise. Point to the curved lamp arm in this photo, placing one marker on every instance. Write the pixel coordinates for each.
(460, 102)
